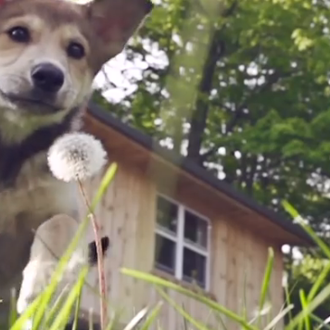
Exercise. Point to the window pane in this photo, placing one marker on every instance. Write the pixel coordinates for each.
(194, 267)
(165, 254)
(167, 214)
(195, 229)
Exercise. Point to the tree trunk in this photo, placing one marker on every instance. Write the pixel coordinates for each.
(200, 113)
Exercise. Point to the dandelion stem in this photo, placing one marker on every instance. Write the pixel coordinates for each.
(100, 261)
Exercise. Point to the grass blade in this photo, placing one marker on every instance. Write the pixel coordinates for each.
(27, 315)
(317, 301)
(278, 317)
(180, 310)
(288, 300)
(106, 180)
(266, 280)
(76, 313)
(152, 316)
(220, 320)
(113, 322)
(50, 290)
(13, 311)
(318, 283)
(208, 302)
(323, 324)
(304, 305)
(65, 312)
(55, 308)
(295, 215)
(137, 319)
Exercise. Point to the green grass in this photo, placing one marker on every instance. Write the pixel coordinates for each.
(50, 315)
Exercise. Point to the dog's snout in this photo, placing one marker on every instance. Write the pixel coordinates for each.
(47, 77)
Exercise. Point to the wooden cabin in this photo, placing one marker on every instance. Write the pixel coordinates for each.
(167, 216)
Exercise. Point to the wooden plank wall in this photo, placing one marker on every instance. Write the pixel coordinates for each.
(238, 270)
(238, 257)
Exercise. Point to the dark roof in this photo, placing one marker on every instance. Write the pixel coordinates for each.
(196, 171)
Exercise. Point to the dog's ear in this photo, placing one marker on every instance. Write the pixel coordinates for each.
(115, 21)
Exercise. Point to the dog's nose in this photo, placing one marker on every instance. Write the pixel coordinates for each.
(47, 77)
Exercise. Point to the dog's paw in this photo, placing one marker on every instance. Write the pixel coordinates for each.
(92, 253)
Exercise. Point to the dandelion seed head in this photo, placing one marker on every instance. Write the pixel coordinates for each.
(76, 156)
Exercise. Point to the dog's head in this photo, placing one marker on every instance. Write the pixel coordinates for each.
(50, 50)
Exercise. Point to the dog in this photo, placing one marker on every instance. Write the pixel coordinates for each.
(51, 240)
(50, 52)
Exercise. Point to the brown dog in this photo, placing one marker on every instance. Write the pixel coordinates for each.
(50, 52)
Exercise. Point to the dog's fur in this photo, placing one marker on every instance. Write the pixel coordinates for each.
(51, 240)
(30, 119)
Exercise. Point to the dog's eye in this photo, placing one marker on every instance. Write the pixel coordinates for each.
(76, 50)
(19, 34)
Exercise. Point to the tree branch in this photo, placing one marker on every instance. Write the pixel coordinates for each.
(200, 113)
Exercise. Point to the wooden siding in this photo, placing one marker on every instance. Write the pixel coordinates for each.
(238, 254)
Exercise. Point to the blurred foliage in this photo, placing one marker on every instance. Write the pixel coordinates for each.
(249, 76)
(304, 275)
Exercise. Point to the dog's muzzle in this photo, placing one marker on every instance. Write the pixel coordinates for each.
(42, 96)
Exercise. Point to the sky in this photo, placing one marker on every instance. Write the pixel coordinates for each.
(113, 72)
(120, 70)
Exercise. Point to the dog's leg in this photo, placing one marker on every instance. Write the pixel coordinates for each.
(15, 245)
(50, 243)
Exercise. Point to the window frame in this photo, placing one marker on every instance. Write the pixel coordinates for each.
(181, 243)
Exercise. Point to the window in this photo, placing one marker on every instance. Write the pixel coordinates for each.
(182, 243)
